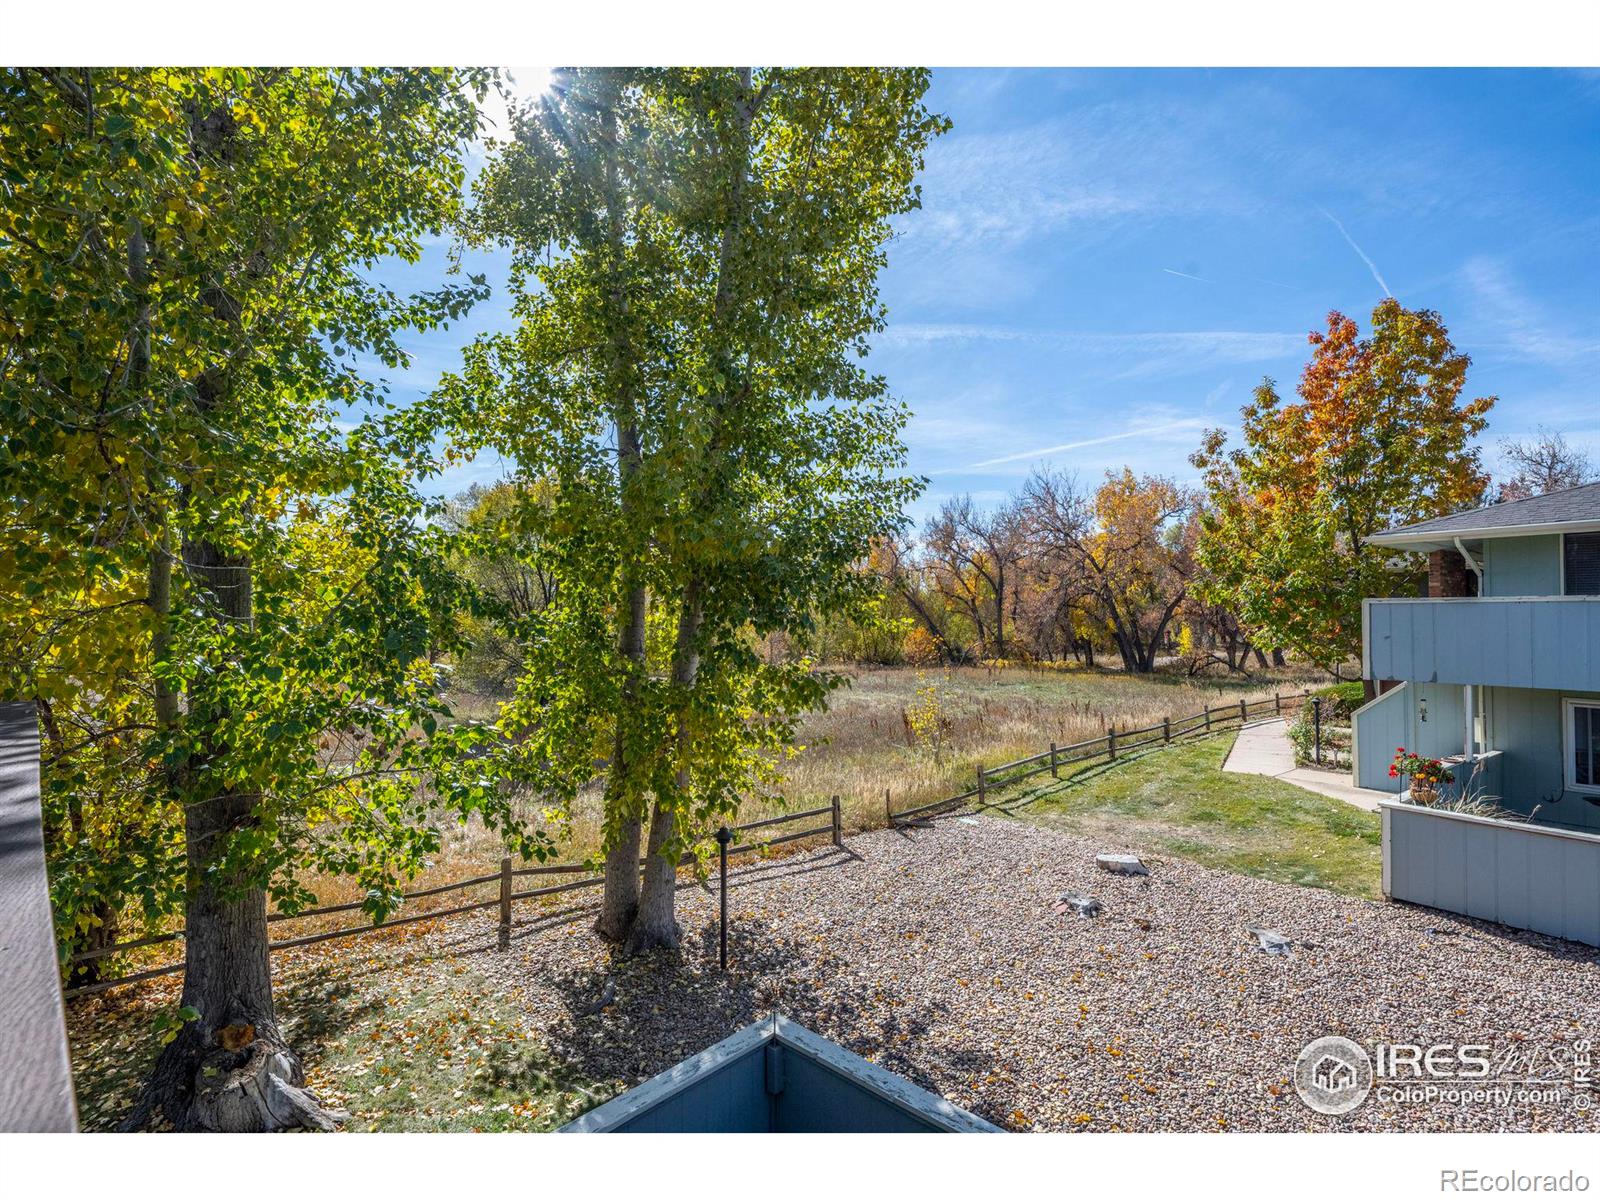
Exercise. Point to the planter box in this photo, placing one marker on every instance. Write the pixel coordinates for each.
(1522, 874)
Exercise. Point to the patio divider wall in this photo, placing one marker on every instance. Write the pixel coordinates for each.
(1521, 874)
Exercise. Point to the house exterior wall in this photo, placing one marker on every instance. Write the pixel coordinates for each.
(1426, 718)
(1526, 726)
(1523, 566)
(1377, 727)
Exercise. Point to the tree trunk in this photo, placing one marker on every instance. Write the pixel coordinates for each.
(656, 927)
(620, 902)
(623, 804)
(229, 1069)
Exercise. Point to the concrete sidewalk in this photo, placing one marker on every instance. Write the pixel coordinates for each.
(1264, 749)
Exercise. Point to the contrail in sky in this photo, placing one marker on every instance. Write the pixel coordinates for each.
(1186, 423)
(1185, 275)
(1371, 266)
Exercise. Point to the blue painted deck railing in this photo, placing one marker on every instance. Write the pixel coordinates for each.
(1522, 641)
(1517, 873)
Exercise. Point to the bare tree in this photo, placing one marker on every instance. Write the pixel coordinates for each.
(1543, 463)
(976, 561)
(897, 562)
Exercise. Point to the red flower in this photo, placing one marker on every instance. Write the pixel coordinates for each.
(1393, 773)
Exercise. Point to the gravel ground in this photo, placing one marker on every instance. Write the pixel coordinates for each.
(938, 953)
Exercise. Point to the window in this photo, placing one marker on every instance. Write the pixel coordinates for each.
(1583, 746)
(1581, 564)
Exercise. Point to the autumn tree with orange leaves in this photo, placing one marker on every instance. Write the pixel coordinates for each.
(1379, 437)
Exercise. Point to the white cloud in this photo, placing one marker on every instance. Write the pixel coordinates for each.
(1187, 424)
(1135, 355)
(1525, 329)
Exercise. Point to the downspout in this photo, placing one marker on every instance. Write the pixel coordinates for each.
(1472, 564)
(1468, 698)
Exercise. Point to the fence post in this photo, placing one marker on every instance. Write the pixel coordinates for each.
(1208, 718)
(1166, 729)
(1243, 713)
(888, 812)
(1277, 703)
(1054, 774)
(1111, 743)
(505, 902)
(838, 828)
(982, 799)
(1316, 724)
(724, 836)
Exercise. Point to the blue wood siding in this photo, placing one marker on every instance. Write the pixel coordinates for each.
(1518, 875)
(1522, 566)
(732, 1100)
(1526, 726)
(1376, 729)
(817, 1100)
(1532, 643)
(777, 1077)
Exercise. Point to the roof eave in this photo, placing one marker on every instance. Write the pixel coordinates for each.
(1445, 539)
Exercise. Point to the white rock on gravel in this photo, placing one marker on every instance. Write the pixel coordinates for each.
(1121, 864)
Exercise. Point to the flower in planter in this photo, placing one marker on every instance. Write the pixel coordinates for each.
(1427, 774)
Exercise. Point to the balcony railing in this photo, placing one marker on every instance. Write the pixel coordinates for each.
(35, 1074)
(1513, 641)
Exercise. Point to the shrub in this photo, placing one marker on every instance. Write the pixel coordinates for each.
(1340, 700)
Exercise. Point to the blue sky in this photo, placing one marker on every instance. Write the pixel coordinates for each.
(1108, 261)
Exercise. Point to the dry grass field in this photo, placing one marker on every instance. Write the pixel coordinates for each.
(867, 743)
(860, 748)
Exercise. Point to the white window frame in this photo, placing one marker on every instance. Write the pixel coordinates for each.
(1568, 767)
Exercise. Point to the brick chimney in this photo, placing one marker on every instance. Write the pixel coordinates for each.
(1448, 575)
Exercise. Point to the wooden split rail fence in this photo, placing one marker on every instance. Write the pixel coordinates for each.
(506, 877)
(1107, 746)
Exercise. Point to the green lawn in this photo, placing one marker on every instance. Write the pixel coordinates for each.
(1176, 801)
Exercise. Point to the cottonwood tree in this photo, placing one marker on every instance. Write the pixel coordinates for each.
(686, 372)
(575, 395)
(210, 588)
(977, 559)
(1128, 547)
(507, 565)
(1379, 437)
